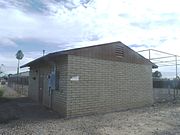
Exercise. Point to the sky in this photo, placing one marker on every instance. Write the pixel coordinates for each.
(53, 25)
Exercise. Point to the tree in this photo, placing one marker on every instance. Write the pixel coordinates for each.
(19, 56)
(1, 69)
(9, 75)
(5, 77)
(157, 74)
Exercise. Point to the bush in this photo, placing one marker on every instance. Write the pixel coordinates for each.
(3, 82)
(1, 92)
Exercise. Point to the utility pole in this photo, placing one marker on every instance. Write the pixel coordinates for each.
(19, 56)
(18, 67)
(44, 52)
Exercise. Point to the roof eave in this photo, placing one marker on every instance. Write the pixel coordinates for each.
(154, 66)
(34, 61)
(48, 56)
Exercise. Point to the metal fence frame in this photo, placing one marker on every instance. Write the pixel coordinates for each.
(160, 62)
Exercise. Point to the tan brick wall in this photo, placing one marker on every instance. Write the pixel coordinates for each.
(106, 86)
(59, 96)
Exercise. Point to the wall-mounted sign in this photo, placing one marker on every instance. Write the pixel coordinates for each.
(74, 78)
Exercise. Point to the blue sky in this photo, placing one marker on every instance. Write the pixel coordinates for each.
(52, 25)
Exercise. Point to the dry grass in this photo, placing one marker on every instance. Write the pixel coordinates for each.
(7, 94)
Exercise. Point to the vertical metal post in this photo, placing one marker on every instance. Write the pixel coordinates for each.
(149, 54)
(174, 94)
(18, 68)
(176, 76)
(176, 65)
(175, 81)
(16, 87)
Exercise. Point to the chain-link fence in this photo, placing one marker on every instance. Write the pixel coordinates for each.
(19, 83)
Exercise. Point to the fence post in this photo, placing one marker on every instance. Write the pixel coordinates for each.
(174, 94)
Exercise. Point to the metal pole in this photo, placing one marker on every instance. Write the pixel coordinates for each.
(174, 94)
(17, 80)
(149, 54)
(175, 90)
(162, 57)
(176, 66)
(18, 67)
(163, 52)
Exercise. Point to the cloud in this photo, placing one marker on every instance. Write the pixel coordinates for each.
(62, 24)
(4, 42)
(137, 46)
(98, 20)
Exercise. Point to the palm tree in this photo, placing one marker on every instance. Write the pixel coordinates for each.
(157, 74)
(1, 70)
(19, 56)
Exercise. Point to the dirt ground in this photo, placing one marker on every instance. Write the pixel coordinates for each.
(32, 119)
(16, 107)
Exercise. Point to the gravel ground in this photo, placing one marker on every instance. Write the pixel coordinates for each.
(33, 119)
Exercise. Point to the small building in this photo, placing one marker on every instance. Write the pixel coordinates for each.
(96, 79)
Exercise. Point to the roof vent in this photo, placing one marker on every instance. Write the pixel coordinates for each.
(119, 51)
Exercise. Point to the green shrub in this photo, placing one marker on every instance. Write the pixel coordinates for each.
(1, 93)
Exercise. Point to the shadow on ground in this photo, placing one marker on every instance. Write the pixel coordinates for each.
(23, 108)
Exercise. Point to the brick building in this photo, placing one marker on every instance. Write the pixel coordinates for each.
(96, 79)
